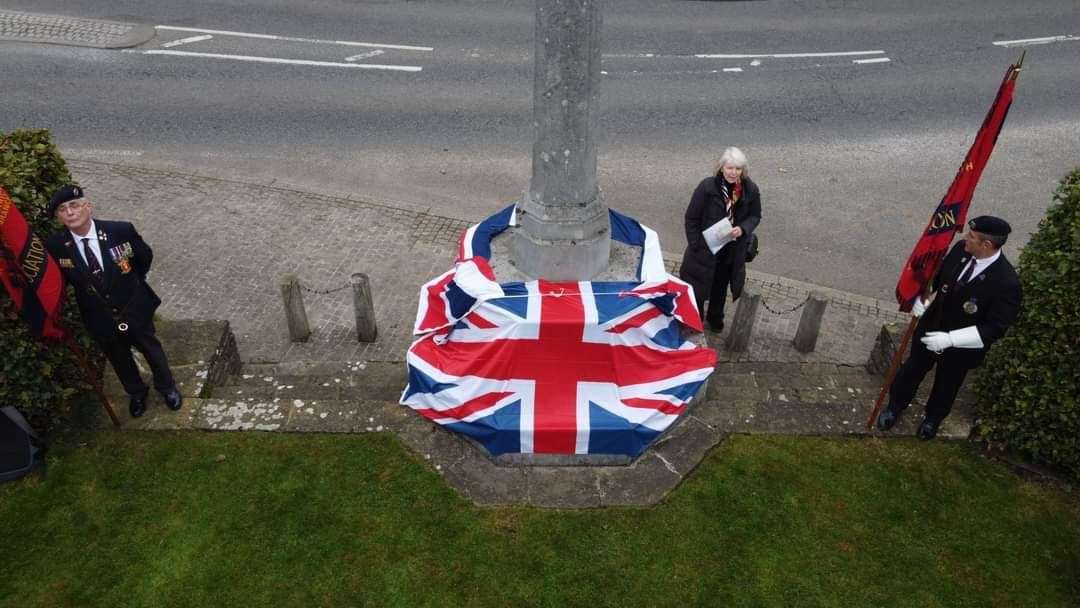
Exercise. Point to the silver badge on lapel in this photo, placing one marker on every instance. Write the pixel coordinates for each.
(970, 307)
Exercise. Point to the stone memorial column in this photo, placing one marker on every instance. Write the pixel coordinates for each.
(564, 232)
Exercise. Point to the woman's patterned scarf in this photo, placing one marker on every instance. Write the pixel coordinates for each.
(731, 193)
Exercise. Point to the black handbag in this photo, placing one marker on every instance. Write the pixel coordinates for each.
(752, 247)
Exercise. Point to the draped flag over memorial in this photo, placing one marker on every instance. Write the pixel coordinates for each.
(951, 213)
(555, 367)
(29, 273)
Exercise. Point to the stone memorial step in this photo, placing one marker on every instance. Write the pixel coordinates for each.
(335, 380)
(277, 414)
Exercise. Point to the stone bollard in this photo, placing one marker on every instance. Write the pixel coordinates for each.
(291, 296)
(742, 325)
(885, 347)
(364, 309)
(810, 323)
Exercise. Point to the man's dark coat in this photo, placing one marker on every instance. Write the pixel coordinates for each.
(119, 296)
(990, 302)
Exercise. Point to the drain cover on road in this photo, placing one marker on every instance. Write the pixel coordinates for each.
(55, 29)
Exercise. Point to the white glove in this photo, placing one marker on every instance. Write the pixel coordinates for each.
(918, 308)
(965, 337)
(937, 341)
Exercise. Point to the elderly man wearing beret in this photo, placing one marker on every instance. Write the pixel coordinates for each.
(977, 299)
(106, 263)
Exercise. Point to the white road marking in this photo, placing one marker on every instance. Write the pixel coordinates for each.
(365, 55)
(252, 58)
(189, 40)
(755, 63)
(786, 55)
(1031, 41)
(732, 69)
(400, 47)
(874, 60)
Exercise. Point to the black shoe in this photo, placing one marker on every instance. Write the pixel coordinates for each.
(137, 405)
(928, 429)
(886, 419)
(173, 399)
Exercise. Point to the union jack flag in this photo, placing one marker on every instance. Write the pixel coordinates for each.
(553, 367)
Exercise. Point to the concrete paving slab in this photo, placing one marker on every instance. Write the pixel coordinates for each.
(564, 487)
(646, 482)
(685, 445)
(160, 418)
(475, 476)
(374, 416)
(321, 416)
(236, 415)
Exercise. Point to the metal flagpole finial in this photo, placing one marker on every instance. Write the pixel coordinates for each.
(1018, 65)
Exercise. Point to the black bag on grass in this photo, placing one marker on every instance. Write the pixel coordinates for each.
(21, 450)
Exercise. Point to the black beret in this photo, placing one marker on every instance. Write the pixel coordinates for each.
(63, 195)
(988, 224)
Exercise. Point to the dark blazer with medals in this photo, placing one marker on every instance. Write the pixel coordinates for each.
(990, 302)
(122, 294)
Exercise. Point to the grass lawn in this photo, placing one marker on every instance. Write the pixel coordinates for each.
(248, 519)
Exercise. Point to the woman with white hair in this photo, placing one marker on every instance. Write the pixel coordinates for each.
(731, 195)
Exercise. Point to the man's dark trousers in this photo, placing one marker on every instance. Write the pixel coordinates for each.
(145, 341)
(947, 381)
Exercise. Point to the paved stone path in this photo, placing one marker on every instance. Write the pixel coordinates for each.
(220, 250)
(223, 246)
(54, 29)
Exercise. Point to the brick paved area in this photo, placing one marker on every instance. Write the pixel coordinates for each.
(222, 246)
(848, 330)
(96, 33)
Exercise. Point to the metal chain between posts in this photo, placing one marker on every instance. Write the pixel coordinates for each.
(323, 292)
(765, 303)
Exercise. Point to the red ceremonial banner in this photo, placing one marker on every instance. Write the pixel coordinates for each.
(951, 213)
(30, 275)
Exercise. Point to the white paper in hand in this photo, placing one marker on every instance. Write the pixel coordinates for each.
(718, 235)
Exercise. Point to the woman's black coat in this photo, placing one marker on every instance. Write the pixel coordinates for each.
(706, 208)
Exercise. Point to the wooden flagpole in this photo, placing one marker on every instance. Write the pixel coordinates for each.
(891, 374)
(90, 375)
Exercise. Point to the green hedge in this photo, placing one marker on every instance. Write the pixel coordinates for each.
(38, 378)
(1029, 388)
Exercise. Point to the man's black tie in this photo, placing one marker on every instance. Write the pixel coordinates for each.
(91, 260)
(966, 276)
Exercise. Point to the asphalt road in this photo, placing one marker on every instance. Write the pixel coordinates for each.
(851, 151)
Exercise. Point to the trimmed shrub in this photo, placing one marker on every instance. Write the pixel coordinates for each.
(39, 378)
(1029, 388)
